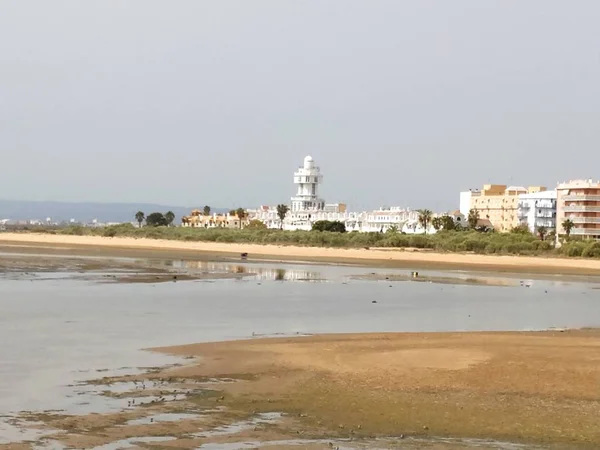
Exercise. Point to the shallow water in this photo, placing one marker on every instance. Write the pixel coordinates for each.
(131, 442)
(61, 330)
(238, 427)
(375, 444)
(13, 430)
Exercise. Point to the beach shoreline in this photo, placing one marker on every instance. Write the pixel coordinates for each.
(389, 257)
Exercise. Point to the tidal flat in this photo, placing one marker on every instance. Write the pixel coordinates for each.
(292, 355)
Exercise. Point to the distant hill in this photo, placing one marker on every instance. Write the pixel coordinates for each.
(85, 212)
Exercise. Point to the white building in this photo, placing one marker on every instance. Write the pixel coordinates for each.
(307, 207)
(307, 179)
(385, 218)
(465, 202)
(537, 210)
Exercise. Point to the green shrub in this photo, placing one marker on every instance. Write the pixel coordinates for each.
(475, 245)
(573, 249)
(516, 243)
(109, 232)
(418, 241)
(334, 226)
(591, 250)
(493, 247)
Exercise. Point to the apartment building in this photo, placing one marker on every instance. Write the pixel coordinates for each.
(497, 203)
(198, 220)
(579, 201)
(538, 210)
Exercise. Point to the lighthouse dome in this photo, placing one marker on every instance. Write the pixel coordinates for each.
(308, 162)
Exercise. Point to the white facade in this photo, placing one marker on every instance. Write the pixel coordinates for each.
(537, 210)
(415, 227)
(385, 218)
(465, 203)
(307, 207)
(307, 179)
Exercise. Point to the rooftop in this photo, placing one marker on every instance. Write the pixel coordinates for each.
(579, 183)
(539, 195)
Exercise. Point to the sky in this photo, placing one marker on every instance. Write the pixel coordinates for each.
(401, 103)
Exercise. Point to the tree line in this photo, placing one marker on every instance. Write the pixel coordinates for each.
(155, 219)
(425, 218)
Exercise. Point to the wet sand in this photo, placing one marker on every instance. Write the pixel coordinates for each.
(412, 390)
(408, 258)
(532, 387)
(40, 267)
(468, 280)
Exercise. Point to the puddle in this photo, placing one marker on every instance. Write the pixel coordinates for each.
(14, 430)
(165, 417)
(238, 427)
(220, 381)
(481, 443)
(114, 388)
(49, 445)
(373, 444)
(264, 272)
(247, 445)
(92, 398)
(131, 442)
(450, 278)
(271, 335)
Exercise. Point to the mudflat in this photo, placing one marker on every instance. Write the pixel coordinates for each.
(535, 390)
(538, 387)
(374, 256)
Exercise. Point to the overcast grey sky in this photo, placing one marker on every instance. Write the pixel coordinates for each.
(217, 102)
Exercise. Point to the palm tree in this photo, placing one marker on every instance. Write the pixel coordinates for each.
(393, 229)
(542, 231)
(206, 210)
(139, 217)
(282, 211)
(473, 218)
(170, 217)
(568, 226)
(425, 218)
(241, 214)
(436, 222)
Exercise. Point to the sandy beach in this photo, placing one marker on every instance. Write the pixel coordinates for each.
(373, 256)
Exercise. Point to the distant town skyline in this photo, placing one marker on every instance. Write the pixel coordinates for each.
(192, 103)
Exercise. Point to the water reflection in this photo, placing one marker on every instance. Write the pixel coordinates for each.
(252, 271)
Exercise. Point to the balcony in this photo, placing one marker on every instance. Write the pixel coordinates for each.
(545, 223)
(585, 232)
(580, 198)
(581, 208)
(585, 219)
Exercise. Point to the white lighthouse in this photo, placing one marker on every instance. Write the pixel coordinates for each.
(307, 179)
